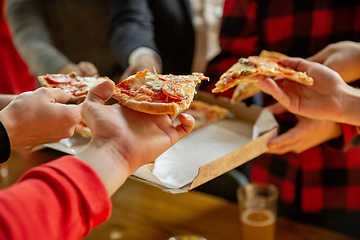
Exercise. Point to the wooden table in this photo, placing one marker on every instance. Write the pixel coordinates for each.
(145, 212)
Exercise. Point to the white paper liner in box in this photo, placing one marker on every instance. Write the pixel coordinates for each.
(70, 145)
(180, 164)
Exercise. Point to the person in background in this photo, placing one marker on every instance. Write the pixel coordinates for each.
(63, 36)
(15, 74)
(152, 34)
(174, 37)
(306, 161)
(68, 197)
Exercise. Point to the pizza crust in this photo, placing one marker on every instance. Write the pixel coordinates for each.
(272, 55)
(151, 107)
(243, 91)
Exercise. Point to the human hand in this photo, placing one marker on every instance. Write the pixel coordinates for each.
(343, 57)
(123, 139)
(306, 134)
(329, 98)
(5, 99)
(39, 117)
(145, 61)
(83, 69)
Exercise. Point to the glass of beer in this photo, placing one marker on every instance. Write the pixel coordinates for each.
(258, 210)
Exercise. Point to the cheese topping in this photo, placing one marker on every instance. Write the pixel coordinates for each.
(177, 87)
(149, 79)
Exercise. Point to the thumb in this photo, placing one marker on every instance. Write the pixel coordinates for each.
(101, 92)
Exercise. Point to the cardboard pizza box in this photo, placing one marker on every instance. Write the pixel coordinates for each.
(205, 153)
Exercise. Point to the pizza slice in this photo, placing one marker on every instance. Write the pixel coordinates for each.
(272, 55)
(204, 113)
(83, 129)
(76, 85)
(243, 91)
(247, 89)
(158, 94)
(246, 68)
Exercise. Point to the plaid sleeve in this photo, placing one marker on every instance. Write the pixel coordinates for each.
(349, 132)
(238, 38)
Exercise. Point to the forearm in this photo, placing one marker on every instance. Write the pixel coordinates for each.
(113, 169)
(32, 38)
(350, 107)
(131, 28)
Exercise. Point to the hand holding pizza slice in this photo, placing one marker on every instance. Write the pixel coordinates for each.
(145, 91)
(244, 71)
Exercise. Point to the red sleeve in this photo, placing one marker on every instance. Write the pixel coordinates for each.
(63, 199)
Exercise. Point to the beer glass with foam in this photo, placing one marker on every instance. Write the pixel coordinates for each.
(258, 210)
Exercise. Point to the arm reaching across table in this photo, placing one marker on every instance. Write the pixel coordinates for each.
(68, 197)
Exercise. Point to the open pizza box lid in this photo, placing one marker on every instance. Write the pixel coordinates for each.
(205, 153)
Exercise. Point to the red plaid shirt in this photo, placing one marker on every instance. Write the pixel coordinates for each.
(323, 178)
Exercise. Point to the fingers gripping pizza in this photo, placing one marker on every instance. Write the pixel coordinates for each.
(158, 94)
(246, 68)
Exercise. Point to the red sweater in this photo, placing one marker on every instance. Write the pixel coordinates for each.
(63, 199)
(15, 76)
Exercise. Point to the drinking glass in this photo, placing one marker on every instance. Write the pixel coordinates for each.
(258, 210)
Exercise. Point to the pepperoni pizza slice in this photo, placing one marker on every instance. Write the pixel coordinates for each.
(145, 91)
(76, 85)
(158, 94)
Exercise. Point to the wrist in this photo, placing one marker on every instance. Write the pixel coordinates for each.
(10, 129)
(145, 51)
(349, 111)
(110, 166)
